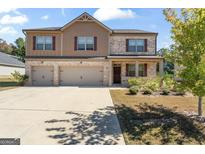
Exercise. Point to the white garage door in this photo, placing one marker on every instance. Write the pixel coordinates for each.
(81, 76)
(42, 76)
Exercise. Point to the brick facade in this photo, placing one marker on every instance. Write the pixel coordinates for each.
(118, 44)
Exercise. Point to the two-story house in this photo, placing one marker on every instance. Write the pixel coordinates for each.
(85, 52)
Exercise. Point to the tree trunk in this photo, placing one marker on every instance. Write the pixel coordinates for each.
(200, 106)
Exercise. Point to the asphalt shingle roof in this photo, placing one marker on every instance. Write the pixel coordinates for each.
(10, 60)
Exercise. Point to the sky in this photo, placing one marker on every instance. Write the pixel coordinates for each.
(12, 21)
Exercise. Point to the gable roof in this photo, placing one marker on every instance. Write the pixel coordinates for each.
(87, 17)
(9, 60)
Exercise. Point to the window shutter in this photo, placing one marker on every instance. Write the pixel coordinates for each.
(127, 44)
(145, 69)
(54, 43)
(75, 42)
(95, 43)
(34, 42)
(145, 45)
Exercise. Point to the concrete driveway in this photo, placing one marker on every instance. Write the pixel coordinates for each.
(59, 115)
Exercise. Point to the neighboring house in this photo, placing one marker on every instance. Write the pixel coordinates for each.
(88, 53)
(9, 64)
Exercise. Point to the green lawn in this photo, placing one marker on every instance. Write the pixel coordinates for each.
(7, 83)
(158, 120)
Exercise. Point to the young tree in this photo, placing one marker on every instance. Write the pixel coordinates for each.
(188, 34)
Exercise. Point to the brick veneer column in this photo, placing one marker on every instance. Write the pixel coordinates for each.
(56, 75)
(161, 67)
(28, 72)
(136, 69)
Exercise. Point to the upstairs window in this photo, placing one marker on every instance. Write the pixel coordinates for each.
(136, 45)
(85, 43)
(142, 70)
(130, 69)
(44, 43)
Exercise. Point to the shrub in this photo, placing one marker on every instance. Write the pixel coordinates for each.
(165, 92)
(20, 79)
(135, 82)
(147, 91)
(150, 83)
(168, 81)
(178, 89)
(153, 84)
(133, 90)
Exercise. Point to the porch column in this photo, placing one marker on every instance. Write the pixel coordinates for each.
(136, 69)
(161, 67)
(110, 73)
(56, 75)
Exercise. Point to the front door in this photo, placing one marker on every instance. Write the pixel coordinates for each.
(117, 74)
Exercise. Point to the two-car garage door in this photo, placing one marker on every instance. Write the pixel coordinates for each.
(68, 76)
(81, 76)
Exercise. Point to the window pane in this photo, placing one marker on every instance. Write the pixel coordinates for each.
(48, 43)
(48, 40)
(140, 48)
(39, 46)
(131, 69)
(141, 70)
(89, 47)
(81, 40)
(89, 43)
(81, 46)
(140, 42)
(132, 43)
(40, 40)
(48, 46)
(132, 48)
(81, 43)
(89, 40)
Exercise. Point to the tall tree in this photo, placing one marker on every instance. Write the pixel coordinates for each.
(188, 34)
(5, 47)
(168, 64)
(19, 48)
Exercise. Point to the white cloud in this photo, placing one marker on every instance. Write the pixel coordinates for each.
(6, 10)
(8, 30)
(113, 13)
(45, 17)
(7, 19)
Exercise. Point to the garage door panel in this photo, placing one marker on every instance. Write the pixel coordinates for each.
(42, 76)
(82, 76)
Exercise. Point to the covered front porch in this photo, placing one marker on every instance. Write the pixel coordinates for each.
(122, 69)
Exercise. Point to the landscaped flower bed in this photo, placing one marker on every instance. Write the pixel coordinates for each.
(156, 86)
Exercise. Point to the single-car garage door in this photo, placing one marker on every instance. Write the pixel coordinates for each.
(42, 76)
(81, 76)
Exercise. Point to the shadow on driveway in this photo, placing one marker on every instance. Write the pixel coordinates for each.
(98, 127)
